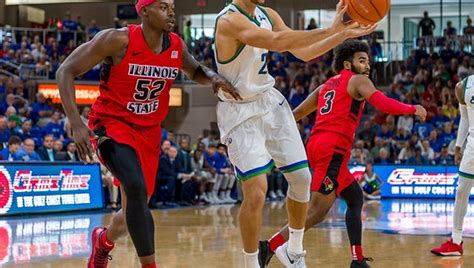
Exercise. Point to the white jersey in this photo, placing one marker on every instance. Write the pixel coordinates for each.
(469, 99)
(247, 69)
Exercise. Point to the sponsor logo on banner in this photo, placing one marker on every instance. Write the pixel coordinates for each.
(6, 194)
(408, 176)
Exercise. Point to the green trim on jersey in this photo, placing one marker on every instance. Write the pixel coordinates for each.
(266, 14)
(466, 175)
(239, 50)
(241, 10)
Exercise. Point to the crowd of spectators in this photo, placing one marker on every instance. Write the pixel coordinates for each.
(33, 129)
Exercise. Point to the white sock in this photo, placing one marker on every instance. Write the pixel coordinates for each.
(460, 207)
(251, 259)
(295, 242)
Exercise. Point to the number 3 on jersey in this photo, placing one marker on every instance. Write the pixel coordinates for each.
(329, 97)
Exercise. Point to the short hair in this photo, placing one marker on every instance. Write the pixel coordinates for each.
(220, 145)
(14, 140)
(345, 52)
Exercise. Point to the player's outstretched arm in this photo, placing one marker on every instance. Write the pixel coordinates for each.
(105, 44)
(205, 76)
(309, 105)
(463, 129)
(361, 85)
(336, 34)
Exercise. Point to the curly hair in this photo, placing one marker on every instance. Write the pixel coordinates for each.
(345, 52)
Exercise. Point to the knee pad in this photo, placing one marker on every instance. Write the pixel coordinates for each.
(299, 182)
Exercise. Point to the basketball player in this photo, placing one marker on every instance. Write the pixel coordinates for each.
(465, 95)
(339, 103)
(260, 130)
(140, 64)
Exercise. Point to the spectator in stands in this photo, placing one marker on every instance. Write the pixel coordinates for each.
(171, 138)
(312, 25)
(166, 179)
(69, 26)
(10, 153)
(187, 34)
(383, 157)
(93, 29)
(69, 48)
(43, 66)
(405, 122)
(202, 174)
(25, 131)
(224, 169)
(407, 152)
(357, 157)
(465, 69)
(46, 152)
(58, 147)
(165, 146)
(445, 158)
(298, 95)
(446, 54)
(40, 110)
(69, 155)
(427, 25)
(14, 123)
(418, 158)
(449, 31)
(423, 129)
(448, 134)
(371, 183)
(469, 29)
(27, 152)
(55, 127)
(4, 131)
(427, 151)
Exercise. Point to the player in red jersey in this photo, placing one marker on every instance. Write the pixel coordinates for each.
(339, 103)
(140, 64)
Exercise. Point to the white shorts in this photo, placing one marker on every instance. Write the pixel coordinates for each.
(466, 169)
(268, 136)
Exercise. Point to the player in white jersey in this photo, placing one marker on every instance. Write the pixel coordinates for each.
(260, 131)
(465, 96)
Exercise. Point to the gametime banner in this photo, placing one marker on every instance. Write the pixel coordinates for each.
(415, 181)
(47, 187)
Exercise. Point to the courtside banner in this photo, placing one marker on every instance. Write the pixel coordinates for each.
(415, 181)
(37, 187)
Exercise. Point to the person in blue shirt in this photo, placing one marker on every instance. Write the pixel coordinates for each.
(93, 29)
(25, 131)
(435, 142)
(40, 109)
(423, 129)
(27, 151)
(4, 131)
(9, 153)
(55, 127)
(448, 134)
(225, 170)
(445, 158)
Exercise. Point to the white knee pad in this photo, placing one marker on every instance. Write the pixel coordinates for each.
(299, 182)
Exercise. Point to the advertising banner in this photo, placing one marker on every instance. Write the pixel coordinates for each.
(47, 187)
(415, 181)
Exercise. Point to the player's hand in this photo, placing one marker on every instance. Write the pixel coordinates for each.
(457, 156)
(421, 112)
(338, 24)
(219, 83)
(355, 30)
(81, 135)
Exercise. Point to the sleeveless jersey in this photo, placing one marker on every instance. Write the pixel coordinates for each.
(469, 99)
(136, 91)
(247, 69)
(337, 111)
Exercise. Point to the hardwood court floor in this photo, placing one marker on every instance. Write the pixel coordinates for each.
(398, 233)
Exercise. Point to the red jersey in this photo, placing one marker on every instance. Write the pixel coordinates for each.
(136, 91)
(337, 111)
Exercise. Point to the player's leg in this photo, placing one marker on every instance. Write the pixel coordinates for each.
(124, 164)
(250, 216)
(453, 247)
(354, 198)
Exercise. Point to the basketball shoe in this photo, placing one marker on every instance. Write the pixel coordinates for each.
(361, 264)
(448, 248)
(100, 253)
(290, 260)
(264, 253)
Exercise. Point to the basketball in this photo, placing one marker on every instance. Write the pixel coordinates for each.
(367, 12)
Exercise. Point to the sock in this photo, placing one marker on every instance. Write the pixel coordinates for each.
(457, 237)
(150, 265)
(276, 241)
(251, 259)
(295, 242)
(105, 242)
(356, 251)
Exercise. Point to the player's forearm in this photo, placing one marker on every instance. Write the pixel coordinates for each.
(319, 48)
(292, 40)
(463, 129)
(204, 75)
(65, 80)
(389, 105)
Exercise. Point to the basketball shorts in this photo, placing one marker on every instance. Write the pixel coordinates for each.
(261, 134)
(328, 155)
(145, 141)
(466, 169)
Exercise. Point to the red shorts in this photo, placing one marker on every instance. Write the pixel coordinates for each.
(328, 156)
(146, 141)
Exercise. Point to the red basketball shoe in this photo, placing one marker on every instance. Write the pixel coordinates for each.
(448, 248)
(100, 253)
